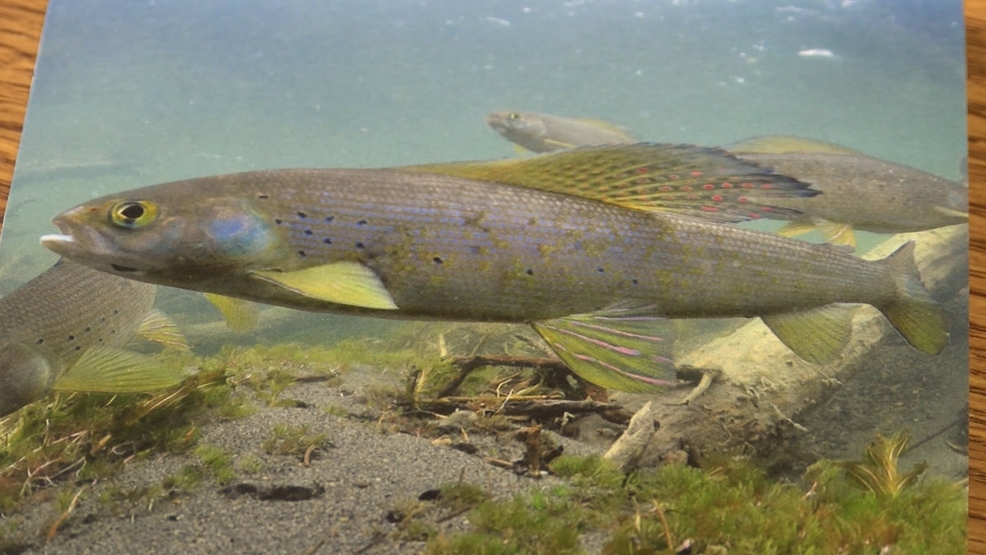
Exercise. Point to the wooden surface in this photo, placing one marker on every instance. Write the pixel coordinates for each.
(20, 29)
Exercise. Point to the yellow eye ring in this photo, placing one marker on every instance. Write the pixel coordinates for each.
(132, 214)
(513, 116)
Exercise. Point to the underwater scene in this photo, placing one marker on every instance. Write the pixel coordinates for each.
(540, 276)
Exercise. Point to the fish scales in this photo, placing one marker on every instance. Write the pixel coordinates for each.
(73, 319)
(455, 248)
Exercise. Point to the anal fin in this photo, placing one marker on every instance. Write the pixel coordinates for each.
(616, 349)
(817, 335)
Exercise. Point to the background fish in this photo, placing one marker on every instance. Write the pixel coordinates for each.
(594, 278)
(547, 133)
(63, 329)
(859, 192)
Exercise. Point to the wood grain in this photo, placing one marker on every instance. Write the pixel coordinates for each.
(20, 31)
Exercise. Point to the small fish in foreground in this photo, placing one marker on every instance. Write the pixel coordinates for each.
(547, 133)
(859, 192)
(594, 247)
(63, 331)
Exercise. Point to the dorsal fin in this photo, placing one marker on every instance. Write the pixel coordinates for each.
(608, 126)
(705, 182)
(785, 144)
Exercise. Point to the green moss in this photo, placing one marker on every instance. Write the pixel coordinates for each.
(461, 496)
(293, 440)
(217, 462)
(89, 436)
(731, 503)
(250, 464)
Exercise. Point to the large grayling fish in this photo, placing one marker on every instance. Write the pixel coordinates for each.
(594, 247)
(860, 192)
(547, 133)
(63, 331)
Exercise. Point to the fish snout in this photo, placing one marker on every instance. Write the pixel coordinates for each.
(497, 120)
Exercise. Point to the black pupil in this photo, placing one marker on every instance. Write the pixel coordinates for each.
(132, 211)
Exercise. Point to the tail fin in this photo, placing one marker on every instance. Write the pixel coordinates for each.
(915, 315)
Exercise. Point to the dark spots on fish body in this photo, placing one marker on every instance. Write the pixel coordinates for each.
(40, 341)
(88, 329)
(329, 218)
(532, 221)
(601, 270)
(635, 282)
(115, 312)
(309, 232)
(327, 241)
(437, 260)
(302, 254)
(361, 223)
(530, 272)
(278, 221)
(475, 249)
(263, 196)
(360, 245)
(302, 215)
(78, 347)
(71, 338)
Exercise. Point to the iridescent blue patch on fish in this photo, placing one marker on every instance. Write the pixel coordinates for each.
(241, 233)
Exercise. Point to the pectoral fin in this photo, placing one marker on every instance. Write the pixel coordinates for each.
(558, 145)
(818, 335)
(838, 234)
(796, 227)
(616, 349)
(117, 371)
(240, 315)
(348, 283)
(157, 327)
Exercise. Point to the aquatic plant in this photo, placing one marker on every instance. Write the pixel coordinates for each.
(294, 440)
(730, 506)
(88, 436)
(878, 471)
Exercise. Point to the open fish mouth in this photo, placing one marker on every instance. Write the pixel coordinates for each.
(84, 246)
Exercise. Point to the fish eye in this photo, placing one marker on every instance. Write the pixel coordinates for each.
(513, 116)
(132, 213)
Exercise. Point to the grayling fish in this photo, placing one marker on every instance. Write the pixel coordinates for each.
(547, 133)
(859, 192)
(63, 331)
(590, 246)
